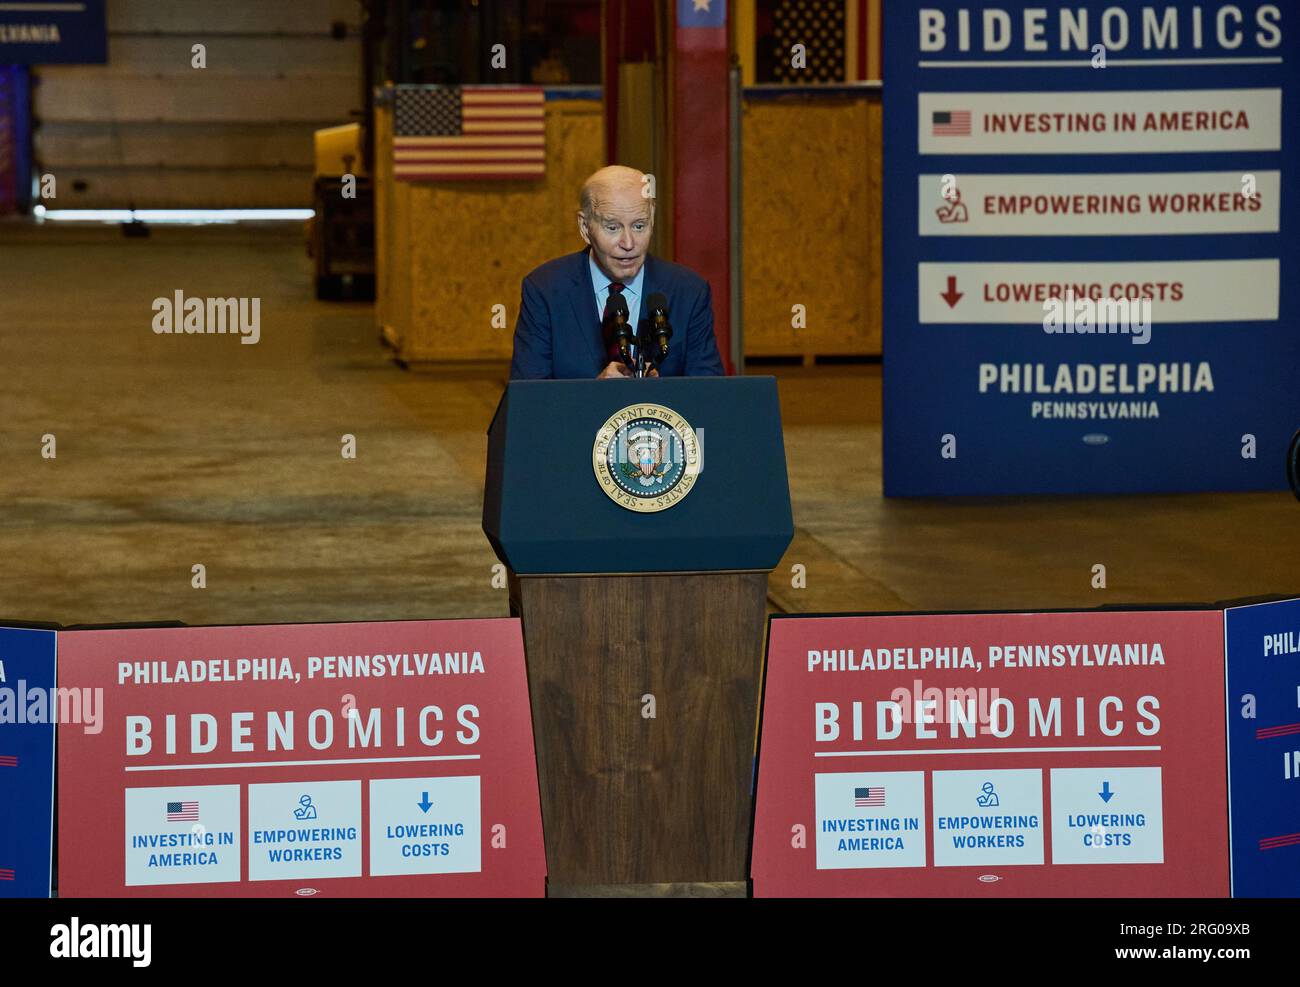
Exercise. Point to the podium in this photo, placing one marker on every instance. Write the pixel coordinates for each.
(638, 520)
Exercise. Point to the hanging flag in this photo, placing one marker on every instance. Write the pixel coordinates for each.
(702, 13)
(820, 28)
(468, 132)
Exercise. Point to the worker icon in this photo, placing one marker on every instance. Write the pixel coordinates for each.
(987, 798)
(305, 809)
(954, 210)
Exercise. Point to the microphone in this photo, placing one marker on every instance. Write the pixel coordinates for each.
(661, 330)
(617, 315)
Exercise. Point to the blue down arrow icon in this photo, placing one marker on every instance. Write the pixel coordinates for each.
(424, 803)
(1105, 792)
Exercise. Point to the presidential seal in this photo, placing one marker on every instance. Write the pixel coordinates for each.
(646, 457)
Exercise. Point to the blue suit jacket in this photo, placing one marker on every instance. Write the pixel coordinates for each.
(559, 335)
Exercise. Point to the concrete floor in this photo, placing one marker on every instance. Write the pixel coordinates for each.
(197, 449)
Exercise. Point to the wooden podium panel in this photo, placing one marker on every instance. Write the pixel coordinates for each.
(630, 799)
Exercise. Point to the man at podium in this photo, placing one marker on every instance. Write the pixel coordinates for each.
(569, 306)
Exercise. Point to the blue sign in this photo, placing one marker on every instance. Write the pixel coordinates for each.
(36, 33)
(1090, 271)
(15, 142)
(1263, 652)
(28, 708)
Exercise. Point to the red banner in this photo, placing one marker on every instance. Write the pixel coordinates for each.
(1002, 755)
(369, 759)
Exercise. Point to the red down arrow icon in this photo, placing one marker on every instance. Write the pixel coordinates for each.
(952, 296)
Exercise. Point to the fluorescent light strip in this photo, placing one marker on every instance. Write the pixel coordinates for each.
(171, 215)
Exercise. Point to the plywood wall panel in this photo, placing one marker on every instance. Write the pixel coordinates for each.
(875, 226)
(467, 245)
(382, 136)
(811, 206)
(392, 240)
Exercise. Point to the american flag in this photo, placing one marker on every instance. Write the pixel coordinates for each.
(951, 123)
(469, 132)
(8, 760)
(868, 796)
(6, 874)
(182, 812)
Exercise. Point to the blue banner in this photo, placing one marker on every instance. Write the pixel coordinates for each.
(27, 713)
(35, 33)
(1263, 653)
(1090, 270)
(15, 140)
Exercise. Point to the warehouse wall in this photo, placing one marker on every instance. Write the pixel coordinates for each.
(149, 130)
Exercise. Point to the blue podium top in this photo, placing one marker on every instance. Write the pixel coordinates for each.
(546, 508)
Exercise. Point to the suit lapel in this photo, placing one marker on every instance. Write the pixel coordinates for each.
(649, 285)
(586, 321)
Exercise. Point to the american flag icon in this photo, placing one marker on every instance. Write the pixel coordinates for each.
(182, 812)
(6, 874)
(868, 796)
(8, 760)
(950, 123)
(469, 132)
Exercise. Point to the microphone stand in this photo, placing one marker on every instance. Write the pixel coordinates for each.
(633, 364)
(627, 361)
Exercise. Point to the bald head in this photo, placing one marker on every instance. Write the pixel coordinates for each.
(616, 216)
(615, 182)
